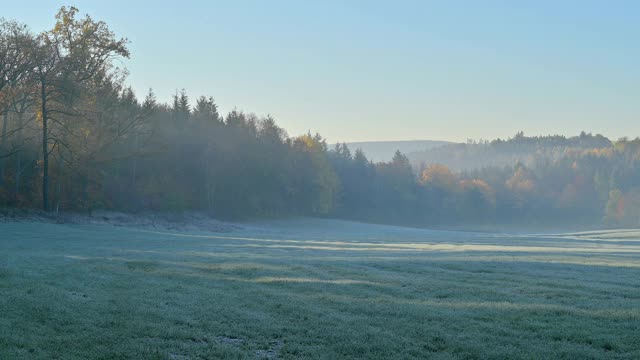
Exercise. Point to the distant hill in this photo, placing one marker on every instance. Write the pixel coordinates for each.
(498, 153)
(384, 150)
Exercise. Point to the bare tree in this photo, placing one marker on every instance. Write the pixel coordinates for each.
(15, 64)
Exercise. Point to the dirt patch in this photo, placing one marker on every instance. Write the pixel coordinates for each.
(78, 296)
(272, 353)
(229, 340)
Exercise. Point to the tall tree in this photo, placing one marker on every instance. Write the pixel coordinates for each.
(75, 51)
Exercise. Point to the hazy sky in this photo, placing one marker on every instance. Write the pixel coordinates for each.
(387, 70)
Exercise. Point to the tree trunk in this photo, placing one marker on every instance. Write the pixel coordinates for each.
(18, 158)
(45, 149)
(58, 184)
(134, 172)
(19, 140)
(18, 179)
(87, 191)
(208, 183)
(3, 141)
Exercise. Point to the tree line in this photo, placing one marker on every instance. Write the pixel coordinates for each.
(75, 137)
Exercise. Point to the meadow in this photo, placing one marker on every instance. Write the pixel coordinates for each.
(316, 288)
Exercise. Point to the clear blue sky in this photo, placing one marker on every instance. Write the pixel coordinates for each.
(387, 70)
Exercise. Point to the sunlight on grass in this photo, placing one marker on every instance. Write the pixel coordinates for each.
(452, 248)
(387, 293)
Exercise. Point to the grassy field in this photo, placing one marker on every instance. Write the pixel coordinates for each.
(316, 289)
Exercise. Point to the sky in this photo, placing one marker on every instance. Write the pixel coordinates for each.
(386, 70)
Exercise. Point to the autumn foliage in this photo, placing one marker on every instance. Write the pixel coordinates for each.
(75, 137)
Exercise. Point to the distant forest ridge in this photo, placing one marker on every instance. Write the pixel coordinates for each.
(517, 149)
(384, 150)
(75, 137)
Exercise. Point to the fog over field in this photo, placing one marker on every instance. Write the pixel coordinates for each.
(237, 180)
(310, 288)
(75, 137)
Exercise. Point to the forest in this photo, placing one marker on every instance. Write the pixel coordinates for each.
(75, 137)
